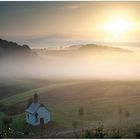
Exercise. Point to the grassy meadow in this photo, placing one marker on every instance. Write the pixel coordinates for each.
(101, 101)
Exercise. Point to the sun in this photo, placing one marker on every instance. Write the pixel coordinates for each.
(114, 27)
(118, 26)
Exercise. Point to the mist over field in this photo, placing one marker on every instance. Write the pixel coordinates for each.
(74, 64)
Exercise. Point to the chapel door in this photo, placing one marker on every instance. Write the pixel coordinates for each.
(41, 121)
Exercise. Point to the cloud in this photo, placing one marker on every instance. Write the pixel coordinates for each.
(73, 7)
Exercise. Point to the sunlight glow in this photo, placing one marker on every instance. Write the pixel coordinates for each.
(118, 26)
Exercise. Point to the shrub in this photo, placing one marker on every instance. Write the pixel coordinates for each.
(89, 134)
(115, 134)
(138, 135)
(6, 121)
(98, 133)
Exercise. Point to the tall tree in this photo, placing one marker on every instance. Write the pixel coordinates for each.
(75, 125)
(127, 115)
(81, 115)
(120, 116)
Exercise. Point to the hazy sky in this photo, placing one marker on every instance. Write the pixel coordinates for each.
(44, 24)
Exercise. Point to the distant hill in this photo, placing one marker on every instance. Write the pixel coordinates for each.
(12, 48)
(99, 48)
(83, 50)
(9, 49)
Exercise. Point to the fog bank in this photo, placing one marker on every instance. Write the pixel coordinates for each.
(102, 66)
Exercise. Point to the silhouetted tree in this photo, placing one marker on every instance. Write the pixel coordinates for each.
(127, 115)
(120, 116)
(81, 114)
(75, 125)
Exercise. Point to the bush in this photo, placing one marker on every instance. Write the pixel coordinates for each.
(138, 135)
(8, 133)
(115, 134)
(88, 134)
(98, 133)
(6, 121)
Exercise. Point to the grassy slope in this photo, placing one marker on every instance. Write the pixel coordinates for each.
(25, 95)
(19, 120)
(12, 87)
(101, 101)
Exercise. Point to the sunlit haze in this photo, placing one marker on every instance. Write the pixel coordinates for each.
(49, 24)
(57, 25)
(69, 69)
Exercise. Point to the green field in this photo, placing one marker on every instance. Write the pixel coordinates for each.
(101, 101)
